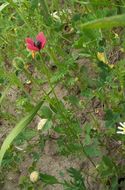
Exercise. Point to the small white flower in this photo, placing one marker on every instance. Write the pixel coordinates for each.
(121, 128)
(41, 124)
(55, 16)
(34, 176)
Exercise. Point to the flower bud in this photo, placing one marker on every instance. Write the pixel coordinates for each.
(34, 176)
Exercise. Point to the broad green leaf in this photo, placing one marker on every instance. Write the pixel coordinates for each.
(107, 22)
(3, 6)
(18, 128)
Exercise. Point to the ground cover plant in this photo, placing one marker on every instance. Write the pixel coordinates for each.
(62, 94)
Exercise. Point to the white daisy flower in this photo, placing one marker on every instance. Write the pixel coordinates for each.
(121, 128)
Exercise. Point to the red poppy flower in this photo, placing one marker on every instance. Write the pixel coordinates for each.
(38, 44)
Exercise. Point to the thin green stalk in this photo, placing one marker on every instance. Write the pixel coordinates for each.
(4, 93)
(87, 156)
(37, 83)
(53, 56)
(21, 15)
(45, 12)
(46, 72)
(45, 7)
(49, 81)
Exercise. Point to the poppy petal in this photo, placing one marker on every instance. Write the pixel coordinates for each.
(29, 41)
(32, 47)
(40, 37)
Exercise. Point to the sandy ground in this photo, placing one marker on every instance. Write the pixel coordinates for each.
(50, 162)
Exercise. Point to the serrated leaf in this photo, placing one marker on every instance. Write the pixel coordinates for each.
(48, 179)
(73, 100)
(18, 128)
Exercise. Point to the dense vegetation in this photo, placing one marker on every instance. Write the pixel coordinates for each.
(62, 79)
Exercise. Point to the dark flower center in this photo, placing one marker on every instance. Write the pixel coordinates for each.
(38, 44)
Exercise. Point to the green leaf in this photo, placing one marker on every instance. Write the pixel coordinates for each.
(73, 100)
(48, 179)
(92, 150)
(25, 135)
(4, 93)
(108, 162)
(107, 22)
(114, 183)
(47, 126)
(94, 2)
(18, 128)
(77, 181)
(111, 118)
(3, 6)
(45, 112)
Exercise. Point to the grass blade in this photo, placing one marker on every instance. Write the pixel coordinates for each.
(18, 128)
(107, 22)
(3, 6)
(4, 94)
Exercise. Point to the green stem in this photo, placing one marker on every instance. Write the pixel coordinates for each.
(4, 93)
(45, 12)
(47, 73)
(36, 83)
(53, 56)
(21, 15)
(87, 156)
(49, 81)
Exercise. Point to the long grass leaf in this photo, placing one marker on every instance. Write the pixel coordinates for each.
(107, 22)
(3, 6)
(18, 128)
(4, 94)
